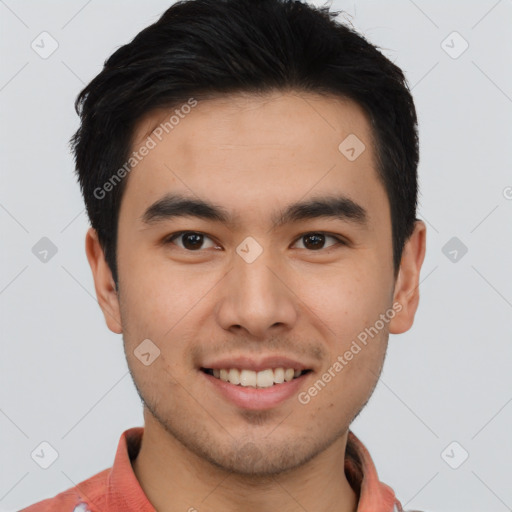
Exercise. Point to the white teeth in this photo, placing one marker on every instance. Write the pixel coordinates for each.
(262, 379)
(265, 379)
(248, 378)
(234, 376)
(279, 375)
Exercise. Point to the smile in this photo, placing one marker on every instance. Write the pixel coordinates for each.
(249, 378)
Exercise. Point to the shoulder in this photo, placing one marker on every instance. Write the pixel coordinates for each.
(87, 496)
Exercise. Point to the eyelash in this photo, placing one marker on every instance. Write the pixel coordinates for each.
(340, 241)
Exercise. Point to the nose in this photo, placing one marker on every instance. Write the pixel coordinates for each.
(257, 298)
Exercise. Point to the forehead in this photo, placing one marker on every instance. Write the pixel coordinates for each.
(248, 152)
(249, 120)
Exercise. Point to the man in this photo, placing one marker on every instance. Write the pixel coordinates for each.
(250, 172)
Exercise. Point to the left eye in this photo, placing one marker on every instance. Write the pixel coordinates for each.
(316, 241)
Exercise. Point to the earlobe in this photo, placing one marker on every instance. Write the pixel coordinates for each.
(104, 285)
(406, 292)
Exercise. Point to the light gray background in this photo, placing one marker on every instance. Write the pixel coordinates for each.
(64, 375)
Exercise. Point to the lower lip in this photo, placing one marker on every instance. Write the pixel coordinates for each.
(257, 398)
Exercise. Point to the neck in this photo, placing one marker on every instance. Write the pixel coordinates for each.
(175, 479)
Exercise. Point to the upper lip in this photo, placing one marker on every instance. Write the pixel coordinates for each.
(256, 365)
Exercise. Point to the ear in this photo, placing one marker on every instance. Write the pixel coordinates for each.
(103, 282)
(406, 291)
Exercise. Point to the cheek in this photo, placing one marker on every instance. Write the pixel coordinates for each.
(158, 293)
(163, 306)
(346, 306)
(347, 299)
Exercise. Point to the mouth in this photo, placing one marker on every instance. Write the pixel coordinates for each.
(245, 378)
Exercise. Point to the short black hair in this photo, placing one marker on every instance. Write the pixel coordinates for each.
(204, 49)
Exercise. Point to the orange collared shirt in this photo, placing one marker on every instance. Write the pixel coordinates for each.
(117, 489)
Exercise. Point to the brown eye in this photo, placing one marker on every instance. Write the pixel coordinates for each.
(316, 241)
(190, 240)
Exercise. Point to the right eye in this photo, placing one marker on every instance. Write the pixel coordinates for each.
(190, 240)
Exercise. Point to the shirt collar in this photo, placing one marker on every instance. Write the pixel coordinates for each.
(125, 494)
(374, 495)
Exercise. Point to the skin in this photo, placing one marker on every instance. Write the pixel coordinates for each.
(254, 155)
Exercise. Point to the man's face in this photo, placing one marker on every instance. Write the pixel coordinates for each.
(256, 288)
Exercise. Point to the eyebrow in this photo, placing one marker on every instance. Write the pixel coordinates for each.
(337, 207)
